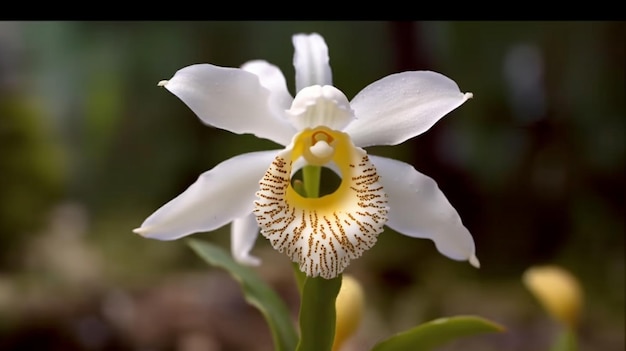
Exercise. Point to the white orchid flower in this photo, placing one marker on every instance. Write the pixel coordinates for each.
(318, 127)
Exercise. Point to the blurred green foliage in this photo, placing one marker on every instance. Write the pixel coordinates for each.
(31, 174)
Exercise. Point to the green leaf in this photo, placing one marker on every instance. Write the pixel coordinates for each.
(317, 313)
(435, 333)
(256, 292)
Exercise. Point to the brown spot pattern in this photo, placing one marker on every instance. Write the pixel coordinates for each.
(323, 241)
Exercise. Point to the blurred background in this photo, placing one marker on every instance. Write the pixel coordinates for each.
(90, 146)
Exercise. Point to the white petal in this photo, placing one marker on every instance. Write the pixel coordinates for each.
(273, 79)
(244, 232)
(231, 99)
(311, 61)
(218, 197)
(417, 208)
(402, 106)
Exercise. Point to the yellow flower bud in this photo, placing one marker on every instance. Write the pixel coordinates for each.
(349, 306)
(558, 291)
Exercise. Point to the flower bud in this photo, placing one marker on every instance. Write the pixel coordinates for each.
(349, 307)
(558, 291)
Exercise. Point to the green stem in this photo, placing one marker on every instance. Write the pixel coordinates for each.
(311, 176)
(300, 277)
(298, 186)
(317, 315)
(566, 341)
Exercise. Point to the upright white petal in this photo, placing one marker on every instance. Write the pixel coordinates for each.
(244, 232)
(273, 79)
(218, 197)
(311, 61)
(417, 208)
(231, 99)
(402, 106)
